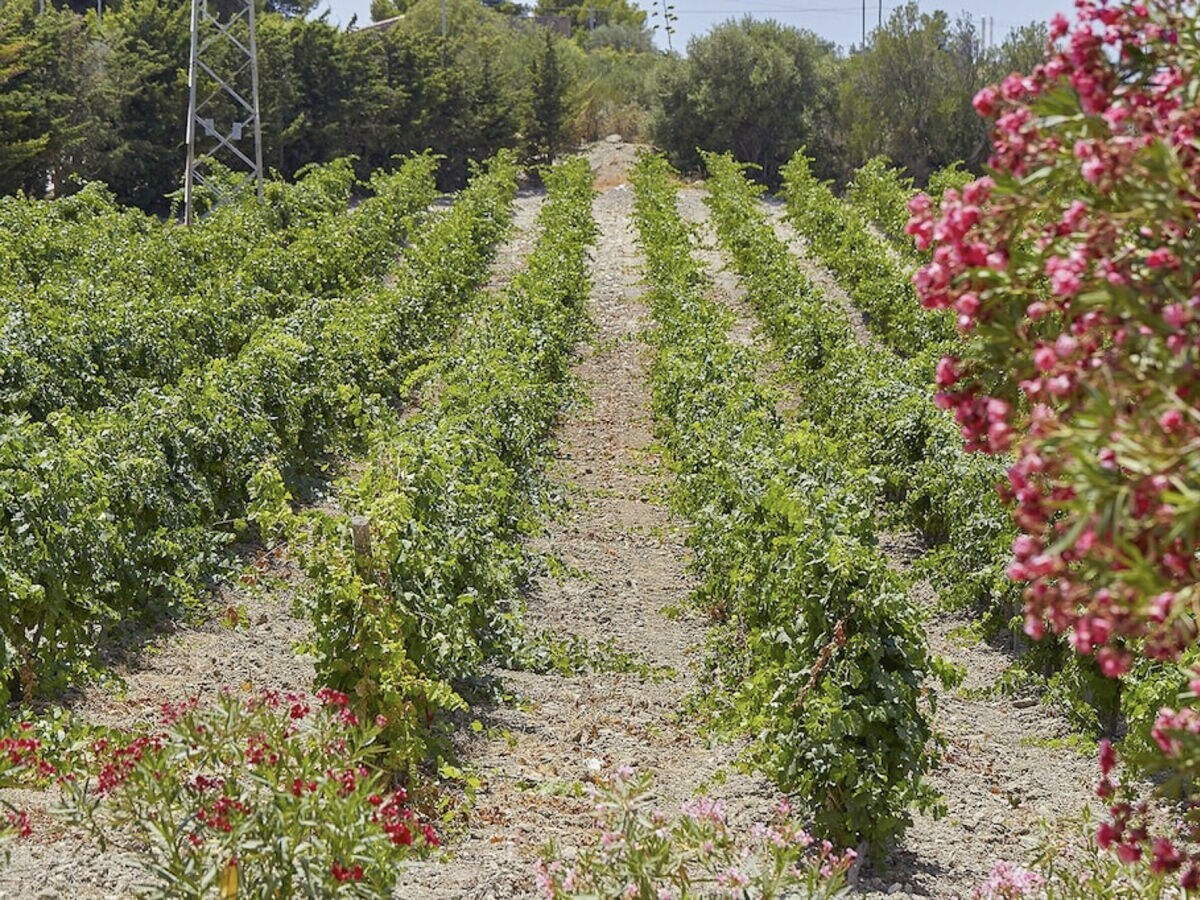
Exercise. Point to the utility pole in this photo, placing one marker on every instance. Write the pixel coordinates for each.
(864, 25)
(229, 93)
(443, 21)
(879, 15)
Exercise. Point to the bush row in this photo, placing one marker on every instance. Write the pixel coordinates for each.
(155, 299)
(878, 401)
(113, 514)
(449, 493)
(881, 287)
(815, 645)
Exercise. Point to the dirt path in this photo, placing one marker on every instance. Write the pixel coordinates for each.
(626, 565)
(1000, 773)
(194, 658)
(726, 288)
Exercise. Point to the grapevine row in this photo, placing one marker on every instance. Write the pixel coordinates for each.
(870, 397)
(880, 193)
(449, 492)
(880, 286)
(816, 644)
(161, 299)
(108, 515)
(877, 403)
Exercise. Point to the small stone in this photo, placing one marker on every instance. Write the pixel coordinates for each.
(895, 888)
(1025, 702)
(613, 139)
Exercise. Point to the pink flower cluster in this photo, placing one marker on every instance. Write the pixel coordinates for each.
(1127, 832)
(1074, 273)
(1008, 882)
(1080, 303)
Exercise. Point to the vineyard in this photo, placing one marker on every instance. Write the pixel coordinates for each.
(599, 532)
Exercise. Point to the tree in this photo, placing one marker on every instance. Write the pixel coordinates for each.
(618, 38)
(1020, 51)
(908, 95)
(384, 9)
(22, 143)
(613, 93)
(588, 14)
(146, 83)
(759, 90)
(546, 128)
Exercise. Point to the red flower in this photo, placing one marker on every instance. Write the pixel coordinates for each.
(330, 697)
(18, 820)
(346, 873)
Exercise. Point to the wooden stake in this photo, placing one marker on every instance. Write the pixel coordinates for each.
(360, 531)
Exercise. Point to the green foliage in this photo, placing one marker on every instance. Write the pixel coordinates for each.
(21, 145)
(449, 491)
(83, 101)
(879, 403)
(56, 93)
(122, 512)
(586, 15)
(547, 124)
(880, 287)
(757, 89)
(881, 193)
(145, 88)
(618, 38)
(155, 300)
(908, 96)
(385, 9)
(612, 92)
(951, 177)
(817, 644)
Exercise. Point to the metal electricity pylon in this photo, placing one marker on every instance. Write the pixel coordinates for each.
(223, 109)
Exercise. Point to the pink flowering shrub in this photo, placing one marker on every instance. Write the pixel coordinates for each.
(643, 853)
(1008, 882)
(1074, 275)
(1075, 289)
(1070, 864)
(274, 793)
(22, 765)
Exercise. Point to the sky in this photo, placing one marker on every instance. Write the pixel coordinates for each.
(839, 21)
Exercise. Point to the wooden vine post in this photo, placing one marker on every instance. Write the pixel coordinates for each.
(360, 534)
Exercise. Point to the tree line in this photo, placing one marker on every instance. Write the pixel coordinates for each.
(90, 95)
(762, 90)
